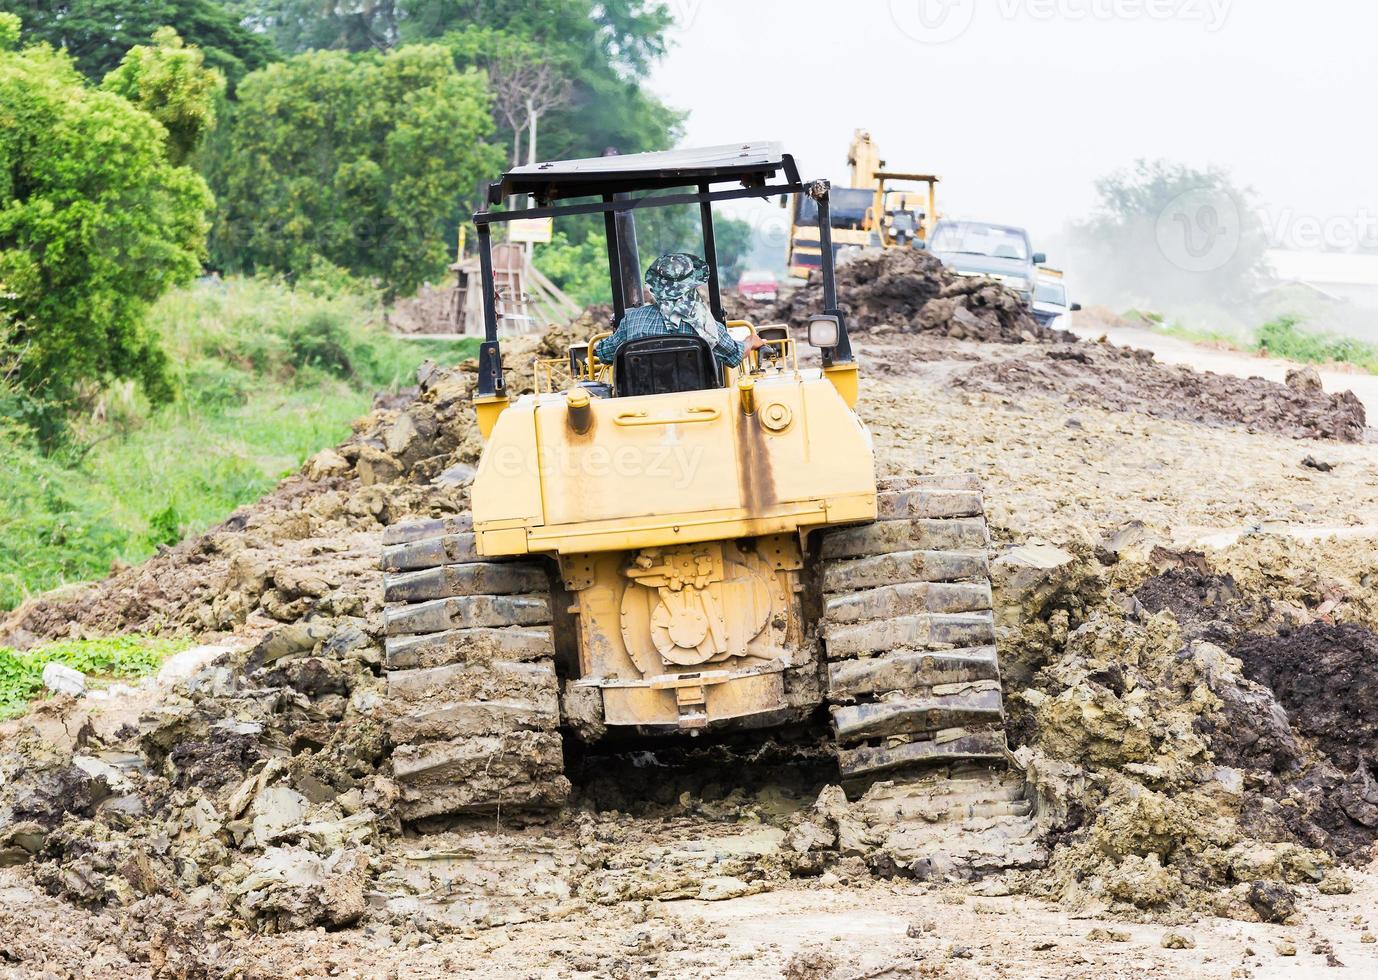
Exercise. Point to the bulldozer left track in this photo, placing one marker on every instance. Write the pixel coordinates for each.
(473, 699)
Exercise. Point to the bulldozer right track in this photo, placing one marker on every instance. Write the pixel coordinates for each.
(913, 682)
(473, 699)
(909, 633)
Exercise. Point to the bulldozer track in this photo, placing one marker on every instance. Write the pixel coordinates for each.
(913, 682)
(473, 698)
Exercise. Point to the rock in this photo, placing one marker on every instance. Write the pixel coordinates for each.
(1285, 947)
(1272, 901)
(274, 810)
(1312, 463)
(1103, 935)
(1335, 882)
(61, 679)
(291, 888)
(1176, 940)
(457, 475)
(720, 888)
(1304, 378)
(326, 463)
(191, 661)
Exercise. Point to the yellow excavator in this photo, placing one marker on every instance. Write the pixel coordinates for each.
(879, 208)
(670, 547)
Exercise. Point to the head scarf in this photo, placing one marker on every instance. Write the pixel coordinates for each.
(674, 281)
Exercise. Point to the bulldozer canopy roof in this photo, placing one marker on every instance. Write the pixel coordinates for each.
(750, 163)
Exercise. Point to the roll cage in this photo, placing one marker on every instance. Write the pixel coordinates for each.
(762, 169)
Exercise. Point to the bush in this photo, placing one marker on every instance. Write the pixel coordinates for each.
(95, 224)
(1281, 337)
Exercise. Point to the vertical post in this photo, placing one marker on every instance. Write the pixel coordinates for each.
(825, 246)
(629, 255)
(842, 352)
(619, 305)
(490, 380)
(710, 255)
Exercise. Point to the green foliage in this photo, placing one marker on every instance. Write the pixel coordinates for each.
(581, 270)
(95, 224)
(304, 25)
(52, 529)
(170, 82)
(258, 395)
(10, 28)
(1281, 337)
(97, 33)
(1169, 235)
(354, 159)
(734, 240)
(21, 674)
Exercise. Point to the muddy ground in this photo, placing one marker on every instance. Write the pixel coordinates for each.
(1187, 607)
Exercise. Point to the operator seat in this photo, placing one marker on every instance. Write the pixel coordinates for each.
(661, 365)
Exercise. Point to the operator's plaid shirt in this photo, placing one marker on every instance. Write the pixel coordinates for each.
(647, 321)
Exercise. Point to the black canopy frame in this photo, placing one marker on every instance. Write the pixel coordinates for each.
(615, 179)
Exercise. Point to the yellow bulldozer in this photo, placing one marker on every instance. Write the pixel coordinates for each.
(878, 208)
(671, 548)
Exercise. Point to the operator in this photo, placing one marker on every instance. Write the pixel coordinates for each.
(674, 281)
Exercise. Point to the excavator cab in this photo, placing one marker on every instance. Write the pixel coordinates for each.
(666, 546)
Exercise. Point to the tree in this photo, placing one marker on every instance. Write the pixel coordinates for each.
(524, 89)
(97, 33)
(1168, 235)
(356, 159)
(169, 81)
(296, 26)
(734, 239)
(96, 222)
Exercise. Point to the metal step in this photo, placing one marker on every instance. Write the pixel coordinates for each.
(431, 528)
(948, 746)
(905, 566)
(481, 644)
(920, 631)
(904, 504)
(448, 549)
(910, 670)
(464, 612)
(474, 578)
(886, 601)
(883, 537)
(977, 704)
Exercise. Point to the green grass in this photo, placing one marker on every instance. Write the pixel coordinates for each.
(267, 376)
(1283, 337)
(21, 674)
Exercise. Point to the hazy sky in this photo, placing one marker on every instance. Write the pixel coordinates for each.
(1020, 104)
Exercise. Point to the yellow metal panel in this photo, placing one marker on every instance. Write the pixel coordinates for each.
(488, 409)
(674, 468)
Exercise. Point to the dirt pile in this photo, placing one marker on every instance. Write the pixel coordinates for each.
(1124, 379)
(908, 291)
(1163, 710)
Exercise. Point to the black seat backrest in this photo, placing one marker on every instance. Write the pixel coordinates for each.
(660, 365)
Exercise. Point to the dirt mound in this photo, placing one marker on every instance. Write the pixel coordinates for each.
(913, 292)
(428, 312)
(1128, 380)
